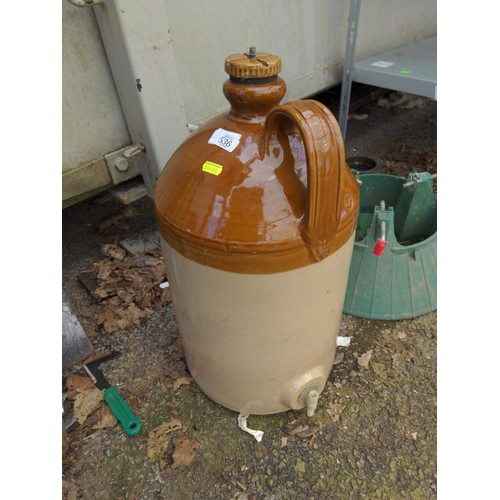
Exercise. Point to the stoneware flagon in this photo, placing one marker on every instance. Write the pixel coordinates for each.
(257, 213)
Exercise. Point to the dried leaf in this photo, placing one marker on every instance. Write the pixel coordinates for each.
(69, 490)
(338, 358)
(240, 495)
(176, 369)
(105, 419)
(152, 261)
(127, 287)
(126, 294)
(296, 430)
(181, 381)
(166, 296)
(300, 466)
(103, 273)
(184, 452)
(284, 441)
(396, 359)
(102, 418)
(86, 403)
(308, 432)
(334, 410)
(380, 370)
(364, 359)
(132, 314)
(113, 251)
(103, 293)
(179, 347)
(107, 318)
(159, 438)
(76, 384)
(114, 224)
(401, 335)
(414, 435)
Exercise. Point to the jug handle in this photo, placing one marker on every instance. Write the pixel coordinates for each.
(325, 157)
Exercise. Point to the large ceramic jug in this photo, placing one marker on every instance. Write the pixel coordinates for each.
(257, 214)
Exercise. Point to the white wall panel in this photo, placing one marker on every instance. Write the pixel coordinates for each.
(92, 120)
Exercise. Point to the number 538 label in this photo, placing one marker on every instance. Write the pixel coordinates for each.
(225, 139)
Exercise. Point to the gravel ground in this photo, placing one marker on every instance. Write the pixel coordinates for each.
(374, 432)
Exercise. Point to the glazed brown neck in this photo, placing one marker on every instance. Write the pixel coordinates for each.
(252, 102)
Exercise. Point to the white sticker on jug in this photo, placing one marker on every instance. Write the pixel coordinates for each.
(382, 64)
(225, 139)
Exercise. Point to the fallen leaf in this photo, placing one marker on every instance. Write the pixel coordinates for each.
(113, 251)
(414, 435)
(114, 224)
(396, 359)
(308, 432)
(181, 381)
(184, 452)
(86, 403)
(300, 466)
(126, 287)
(166, 295)
(300, 428)
(76, 384)
(401, 335)
(126, 294)
(240, 495)
(364, 359)
(152, 261)
(105, 419)
(284, 441)
(104, 272)
(107, 318)
(380, 370)
(114, 318)
(159, 439)
(338, 358)
(334, 410)
(69, 490)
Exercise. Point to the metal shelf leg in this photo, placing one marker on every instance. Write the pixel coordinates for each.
(350, 49)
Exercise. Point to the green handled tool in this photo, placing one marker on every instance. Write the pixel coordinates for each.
(118, 406)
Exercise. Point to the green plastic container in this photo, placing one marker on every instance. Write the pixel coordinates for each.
(401, 282)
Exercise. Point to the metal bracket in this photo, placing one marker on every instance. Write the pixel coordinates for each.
(126, 163)
(134, 150)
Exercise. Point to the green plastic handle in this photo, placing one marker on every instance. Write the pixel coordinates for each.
(121, 410)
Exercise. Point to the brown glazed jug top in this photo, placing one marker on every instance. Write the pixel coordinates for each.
(263, 188)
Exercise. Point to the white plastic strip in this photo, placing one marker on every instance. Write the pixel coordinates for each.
(242, 424)
(343, 341)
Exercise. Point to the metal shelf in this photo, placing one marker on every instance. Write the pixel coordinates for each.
(410, 68)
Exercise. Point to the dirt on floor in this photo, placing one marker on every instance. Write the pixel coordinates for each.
(373, 434)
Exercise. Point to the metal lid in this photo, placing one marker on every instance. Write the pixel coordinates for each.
(252, 64)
